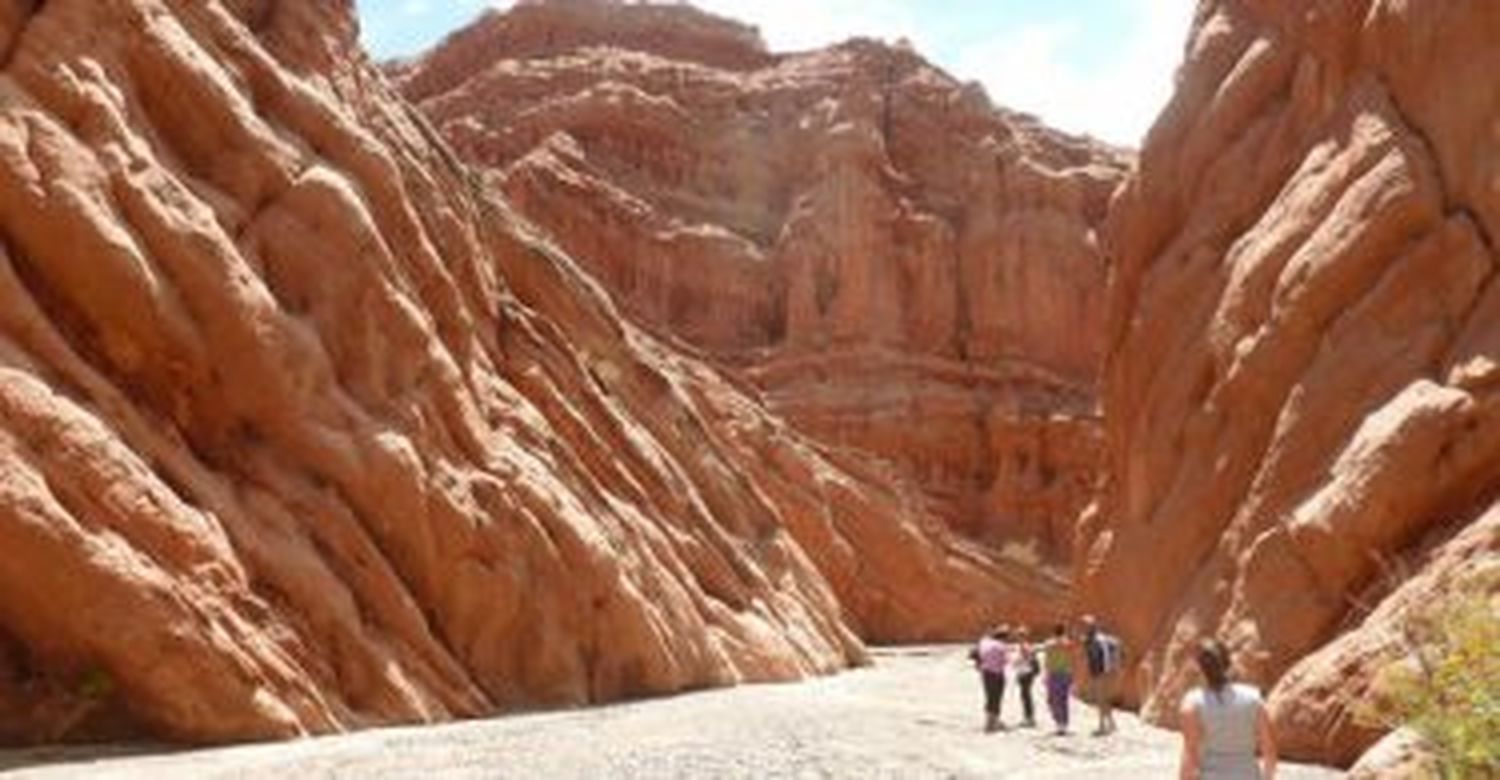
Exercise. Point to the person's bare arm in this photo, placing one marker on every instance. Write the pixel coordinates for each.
(1192, 735)
(1267, 740)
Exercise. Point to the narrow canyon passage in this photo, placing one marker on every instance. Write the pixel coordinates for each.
(913, 714)
(604, 353)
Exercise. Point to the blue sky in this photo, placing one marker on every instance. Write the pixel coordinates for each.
(1097, 66)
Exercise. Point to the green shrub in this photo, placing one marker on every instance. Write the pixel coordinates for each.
(96, 684)
(1448, 690)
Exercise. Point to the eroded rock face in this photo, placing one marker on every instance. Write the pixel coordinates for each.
(1398, 756)
(898, 265)
(302, 431)
(1304, 380)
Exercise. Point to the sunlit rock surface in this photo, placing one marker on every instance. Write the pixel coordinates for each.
(896, 264)
(1302, 393)
(301, 431)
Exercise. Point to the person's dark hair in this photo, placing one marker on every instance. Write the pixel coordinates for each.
(1060, 630)
(1213, 661)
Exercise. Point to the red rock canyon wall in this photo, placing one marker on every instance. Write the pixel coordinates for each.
(897, 265)
(302, 431)
(1304, 374)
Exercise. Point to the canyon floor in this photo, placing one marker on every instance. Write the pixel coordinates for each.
(914, 713)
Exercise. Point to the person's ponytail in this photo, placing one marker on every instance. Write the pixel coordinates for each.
(1213, 661)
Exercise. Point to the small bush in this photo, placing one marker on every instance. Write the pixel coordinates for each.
(1448, 690)
(96, 684)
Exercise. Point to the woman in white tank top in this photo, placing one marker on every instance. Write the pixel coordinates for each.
(1223, 724)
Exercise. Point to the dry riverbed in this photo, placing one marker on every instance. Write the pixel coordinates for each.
(914, 714)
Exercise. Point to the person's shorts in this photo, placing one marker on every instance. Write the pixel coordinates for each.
(1102, 689)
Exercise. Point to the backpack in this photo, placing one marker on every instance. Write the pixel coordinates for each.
(1032, 663)
(1113, 652)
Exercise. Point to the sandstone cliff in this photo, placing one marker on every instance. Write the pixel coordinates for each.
(897, 264)
(301, 431)
(1303, 385)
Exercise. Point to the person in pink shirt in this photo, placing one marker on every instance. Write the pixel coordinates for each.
(991, 657)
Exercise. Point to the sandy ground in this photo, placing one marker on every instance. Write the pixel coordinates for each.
(914, 714)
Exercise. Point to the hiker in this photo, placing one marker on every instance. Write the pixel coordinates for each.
(1223, 723)
(990, 657)
(1102, 652)
(1058, 654)
(1027, 667)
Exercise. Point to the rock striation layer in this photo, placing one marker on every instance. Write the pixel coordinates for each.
(302, 431)
(1302, 391)
(899, 266)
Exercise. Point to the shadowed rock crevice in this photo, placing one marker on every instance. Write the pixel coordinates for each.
(15, 15)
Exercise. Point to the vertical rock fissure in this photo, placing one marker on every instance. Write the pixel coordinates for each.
(1418, 131)
(1452, 208)
(68, 321)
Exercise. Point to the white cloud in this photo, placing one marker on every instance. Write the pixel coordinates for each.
(1036, 68)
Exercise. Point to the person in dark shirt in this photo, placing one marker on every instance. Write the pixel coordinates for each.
(1102, 656)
